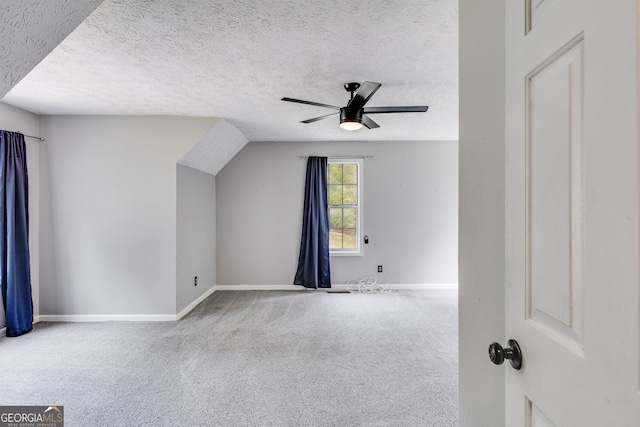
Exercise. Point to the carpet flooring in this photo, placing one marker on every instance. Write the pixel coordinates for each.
(250, 358)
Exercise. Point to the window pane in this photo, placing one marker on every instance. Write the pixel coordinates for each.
(349, 238)
(350, 195)
(335, 173)
(350, 173)
(335, 239)
(343, 210)
(335, 217)
(335, 194)
(350, 218)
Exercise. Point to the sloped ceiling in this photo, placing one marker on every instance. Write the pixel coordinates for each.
(235, 59)
(215, 149)
(29, 30)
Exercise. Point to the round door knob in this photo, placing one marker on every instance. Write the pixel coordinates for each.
(512, 352)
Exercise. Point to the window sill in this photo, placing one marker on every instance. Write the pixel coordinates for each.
(340, 254)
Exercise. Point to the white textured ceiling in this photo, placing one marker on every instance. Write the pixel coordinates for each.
(215, 149)
(29, 30)
(235, 59)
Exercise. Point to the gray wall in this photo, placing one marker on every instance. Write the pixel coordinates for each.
(482, 139)
(196, 235)
(108, 210)
(410, 212)
(14, 119)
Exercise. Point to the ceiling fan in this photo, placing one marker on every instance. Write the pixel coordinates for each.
(354, 115)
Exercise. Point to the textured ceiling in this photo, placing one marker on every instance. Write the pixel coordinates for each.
(215, 149)
(235, 59)
(29, 30)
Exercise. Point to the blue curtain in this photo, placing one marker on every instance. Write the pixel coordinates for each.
(15, 275)
(313, 263)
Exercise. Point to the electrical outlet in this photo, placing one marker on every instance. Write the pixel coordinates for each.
(379, 269)
(195, 280)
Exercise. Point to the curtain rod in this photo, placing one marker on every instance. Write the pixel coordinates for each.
(340, 157)
(30, 136)
(34, 137)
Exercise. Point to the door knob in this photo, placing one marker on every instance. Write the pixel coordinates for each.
(512, 352)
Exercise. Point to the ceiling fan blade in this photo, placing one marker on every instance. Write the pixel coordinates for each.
(413, 109)
(315, 119)
(370, 124)
(363, 94)
(317, 104)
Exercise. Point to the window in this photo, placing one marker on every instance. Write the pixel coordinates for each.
(345, 207)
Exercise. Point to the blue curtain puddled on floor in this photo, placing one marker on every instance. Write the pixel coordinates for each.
(313, 263)
(15, 274)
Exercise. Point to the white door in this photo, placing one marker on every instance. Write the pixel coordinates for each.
(572, 258)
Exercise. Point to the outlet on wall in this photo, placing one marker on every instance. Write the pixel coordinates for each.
(379, 269)
(195, 280)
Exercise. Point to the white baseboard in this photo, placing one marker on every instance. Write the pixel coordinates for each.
(107, 317)
(423, 286)
(193, 305)
(186, 310)
(259, 288)
(427, 286)
(123, 317)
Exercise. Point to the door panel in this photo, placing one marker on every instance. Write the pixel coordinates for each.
(554, 188)
(536, 11)
(535, 417)
(572, 288)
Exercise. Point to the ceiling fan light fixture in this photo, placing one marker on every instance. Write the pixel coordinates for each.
(350, 125)
(350, 119)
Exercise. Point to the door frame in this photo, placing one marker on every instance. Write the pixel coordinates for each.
(481, 210)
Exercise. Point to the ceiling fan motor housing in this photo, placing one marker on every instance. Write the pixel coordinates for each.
(350, 115)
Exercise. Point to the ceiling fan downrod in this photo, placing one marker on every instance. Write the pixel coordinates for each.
(351, 87)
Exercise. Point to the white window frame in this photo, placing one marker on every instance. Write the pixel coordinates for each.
(358, 251)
